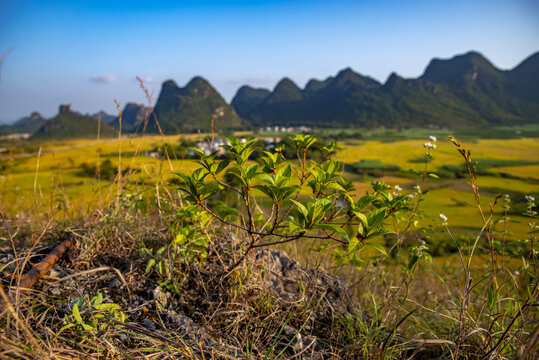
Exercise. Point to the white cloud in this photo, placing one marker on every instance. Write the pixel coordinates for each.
(104, 79)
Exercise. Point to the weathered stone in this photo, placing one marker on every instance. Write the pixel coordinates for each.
(289, 280)
(160, 298)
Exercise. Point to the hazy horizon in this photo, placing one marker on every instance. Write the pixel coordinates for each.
(88, 53)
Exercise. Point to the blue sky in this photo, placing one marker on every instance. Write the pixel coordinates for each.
(88, 53)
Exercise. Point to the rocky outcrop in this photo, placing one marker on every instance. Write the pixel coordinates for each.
(65, 108)
(288, 280)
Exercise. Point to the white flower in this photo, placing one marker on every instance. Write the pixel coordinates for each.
(506, 196)
(417, 188)
(529, 198)
(443, 218)
(429, 145)
(432, 138)
(397, 188)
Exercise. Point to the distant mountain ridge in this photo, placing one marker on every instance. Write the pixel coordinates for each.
(461, 92)
(70, 125)
(464, 91)
(26, 125)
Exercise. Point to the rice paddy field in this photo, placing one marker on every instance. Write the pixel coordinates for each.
(49, 182)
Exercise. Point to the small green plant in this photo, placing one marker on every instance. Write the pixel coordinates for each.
(279, 200)
(189, 244)
(92, 315)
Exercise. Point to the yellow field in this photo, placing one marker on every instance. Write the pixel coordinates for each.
(401, 152)
(525, 171)
(33, 184)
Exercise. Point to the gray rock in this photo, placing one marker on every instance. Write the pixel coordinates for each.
(289, 280)
(160, 298)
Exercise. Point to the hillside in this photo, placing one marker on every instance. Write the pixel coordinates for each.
(26, 125)
(70, 125)
(465, 91)
(191, 109)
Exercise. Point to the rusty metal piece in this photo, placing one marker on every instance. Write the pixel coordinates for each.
(37, 272)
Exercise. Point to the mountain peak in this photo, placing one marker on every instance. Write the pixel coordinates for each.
(465, 68)
(191, 109)
(199, 86)
(247, 91)
(170, 83)
(198, 82)
(35, 116)
(346, 73)
(393, 81)
(349, 78)
(285, 83)
(286, 90)
(247, 98)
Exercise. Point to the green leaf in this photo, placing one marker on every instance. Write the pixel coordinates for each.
(199, 152)
(251, 171)
(433, 175)
(210, 189)
(293, 227)
(387, 196)
(160, 251)
(376, 217)
(335, 228)
(376, 246)
(364, 201)
(301, 207)
(362, 217)
(98, 299)
(286, 171)
(238, 177)
(70, 325)
(222, 165)
(492, 295)
(76, 313)
(87, 327)
(268, 190)
(361, 230)
(380, 232)
(353, 245)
